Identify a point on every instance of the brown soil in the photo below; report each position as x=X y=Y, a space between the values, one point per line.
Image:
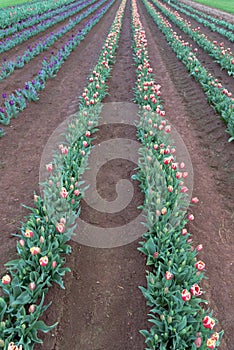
x=102 y=307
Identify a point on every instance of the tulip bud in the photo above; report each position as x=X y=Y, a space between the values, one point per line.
x=54 y=264
x=31 y=308
x=21 y=242
x=32 y=285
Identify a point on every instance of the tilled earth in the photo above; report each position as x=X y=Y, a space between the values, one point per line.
x=102 y=307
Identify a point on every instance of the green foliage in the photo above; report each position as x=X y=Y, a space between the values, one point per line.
x=177 y=313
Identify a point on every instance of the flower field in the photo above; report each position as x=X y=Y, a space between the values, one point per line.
x=172 y=288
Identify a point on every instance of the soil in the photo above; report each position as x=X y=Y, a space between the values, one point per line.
x=102 y=307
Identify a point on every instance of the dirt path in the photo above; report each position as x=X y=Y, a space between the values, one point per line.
x=102 y=307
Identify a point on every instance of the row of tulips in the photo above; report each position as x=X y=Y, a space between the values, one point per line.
x=173 y=289
x=10 y=15
x=19 y=38
x=217 y=95
x=223 y=56
x=8 y=67
x=32 y=20
x=208 y=21
x=43 y=240
x=17 y=101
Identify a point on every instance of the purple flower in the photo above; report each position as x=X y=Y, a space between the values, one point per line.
x=4 y=95
x=11 y=103
x=2 y=110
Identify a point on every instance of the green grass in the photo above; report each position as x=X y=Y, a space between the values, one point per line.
x=5 y=3
x=224 y=5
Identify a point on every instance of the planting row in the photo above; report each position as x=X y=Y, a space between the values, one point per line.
x=32 y=51
x=29 y=22
x=9 y=16
x=24 y=35
x=45 y=235
x=18 y=100
x=173 y=290
x=214 y=26
x=217 y=95
x=223 y=56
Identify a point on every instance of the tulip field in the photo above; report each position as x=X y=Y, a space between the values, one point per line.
x=64 y=61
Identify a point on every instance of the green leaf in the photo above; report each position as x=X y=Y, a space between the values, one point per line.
x=41 y=326
x=182 y=324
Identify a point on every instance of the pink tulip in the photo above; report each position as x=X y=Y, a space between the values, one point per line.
x=186 y=295
x=49 y=167
x=54 y=264
x=21 y=242
x=43 y=261
x=31 y=308
x=168 y=275
x=32 y=285
x=195 y=200
x=63 y=193
x=200 y=265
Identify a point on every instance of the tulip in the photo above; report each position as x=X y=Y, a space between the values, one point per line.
x=60 y=227
x=63 y=221
x=184 y=189
x=164 y=211
x=31 y=308
x=49 y=167
x=28 y=233
x=76 y=192
x=6 y=279
x=186 y=295
x=54 y=264
x=198 y=342
x=182 y=165
x=35 y=250
x=43 y=260
x=168 y=275
x=184 y=231
x=199 y=247
x=21 y=242
x=190 y=217
x=211 y=343
x=208 y=322
x=170 y=188
x=200 y=265
x=63 y=193
x=195 y=200
x=196 y=290
x=32 y=285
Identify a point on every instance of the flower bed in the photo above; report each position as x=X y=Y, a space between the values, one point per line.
x=8 y=67
x=217 y=95
x=214 y=26
x=9 y=16
x=173 y=290
x=17 y=101
x=24 y=35
x=29 y=22
x=223 y=56
x=43 y=240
